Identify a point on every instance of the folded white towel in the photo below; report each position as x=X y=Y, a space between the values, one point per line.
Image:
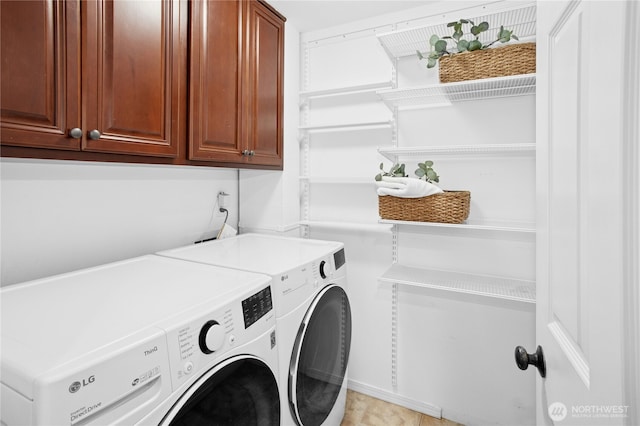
x=405 y=187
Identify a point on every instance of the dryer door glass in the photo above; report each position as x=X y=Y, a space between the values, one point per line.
x=239 y=391
x=320 y=356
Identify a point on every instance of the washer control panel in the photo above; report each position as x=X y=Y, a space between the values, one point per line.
x=256 y=306
x=198 y=342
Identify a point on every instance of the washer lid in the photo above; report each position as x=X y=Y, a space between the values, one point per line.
x=267 y=254
x=55 y=322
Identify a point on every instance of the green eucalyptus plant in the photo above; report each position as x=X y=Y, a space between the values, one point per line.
x=439 y=45
x=425 y=171
x=397 y=170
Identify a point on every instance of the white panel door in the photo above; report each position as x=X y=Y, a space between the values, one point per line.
x=580 y=198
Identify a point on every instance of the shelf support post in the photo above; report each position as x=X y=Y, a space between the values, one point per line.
x=394 y=246
x=394 y=311
x=304 y=117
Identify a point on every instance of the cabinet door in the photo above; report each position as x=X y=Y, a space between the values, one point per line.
x=265 y=97
x=40 y=92
x=132 y=76
x=215 y=103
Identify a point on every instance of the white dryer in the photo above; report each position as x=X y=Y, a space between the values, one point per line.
x=313 y=316
x=150 y=340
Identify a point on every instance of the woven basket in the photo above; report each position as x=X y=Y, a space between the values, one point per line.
x=513 y=59
x=447 y=207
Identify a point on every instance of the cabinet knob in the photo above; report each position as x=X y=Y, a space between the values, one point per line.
x=75 y=133
x=523 y=360
x=252 y=153
x=245 y=153
x=94 y=134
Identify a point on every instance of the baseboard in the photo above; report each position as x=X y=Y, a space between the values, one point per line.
x=422 y=407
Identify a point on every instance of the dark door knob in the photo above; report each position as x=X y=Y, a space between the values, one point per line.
x=523 y=359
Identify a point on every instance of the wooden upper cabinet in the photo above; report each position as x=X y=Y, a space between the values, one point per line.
x=126 y=98
x=215 y=97
x=40 y=54
x=265 y=94
x=236 y=83
x=131 y=80
x=155 y=81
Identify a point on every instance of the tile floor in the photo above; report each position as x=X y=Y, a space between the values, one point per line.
x=363 y=410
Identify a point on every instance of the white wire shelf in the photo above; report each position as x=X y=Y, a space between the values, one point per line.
x=338 y=180
x=514 y=227
x=393 y=153
x=401 y=43
x=482 y=285
x=344 y=91
x=443 y=94
x=347 y=226
x=386 y=124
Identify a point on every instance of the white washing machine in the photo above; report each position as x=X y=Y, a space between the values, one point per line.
x=313 y=316
x=147 y=341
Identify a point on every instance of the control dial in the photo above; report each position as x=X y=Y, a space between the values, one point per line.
x=323 y=273
x=211 y=337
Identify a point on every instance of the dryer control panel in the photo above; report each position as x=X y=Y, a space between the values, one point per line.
x=326 y=269
x=294 y=287
x=339 y=258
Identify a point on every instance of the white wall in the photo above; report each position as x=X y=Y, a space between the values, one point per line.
x=454 y=351
x=59 y=216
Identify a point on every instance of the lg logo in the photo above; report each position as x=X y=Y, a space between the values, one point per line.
x=76 y=386
x=557 y=411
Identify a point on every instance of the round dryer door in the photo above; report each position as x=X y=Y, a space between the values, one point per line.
x=239 y=391
x=320 y=356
